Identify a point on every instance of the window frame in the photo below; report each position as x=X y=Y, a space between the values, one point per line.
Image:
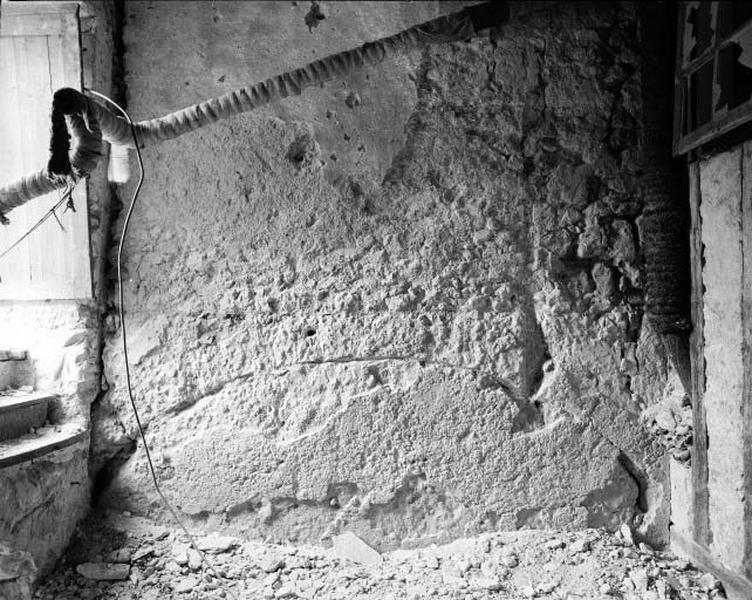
x=722 y=120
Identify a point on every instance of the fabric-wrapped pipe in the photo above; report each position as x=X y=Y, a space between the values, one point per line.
x=665 y=219
x=65 y=163
x=116 y=130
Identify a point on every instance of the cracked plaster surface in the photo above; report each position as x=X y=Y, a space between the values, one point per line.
x=432 y=326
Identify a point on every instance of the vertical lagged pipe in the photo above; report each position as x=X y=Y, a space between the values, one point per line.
x=665 y=217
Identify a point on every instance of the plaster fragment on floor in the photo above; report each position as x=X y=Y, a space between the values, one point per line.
x=216 y=543
x=269 y=563
x=350 y=546
x=194 y=559
x=104 y=571
x=186 y=585
x=180 y=553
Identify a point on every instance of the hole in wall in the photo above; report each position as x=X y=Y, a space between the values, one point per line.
x=107 y=473
x=303 y=151
x=528 y=418
x=314 y=15
x=340 y=493
x=639 y=478
x=544 y=366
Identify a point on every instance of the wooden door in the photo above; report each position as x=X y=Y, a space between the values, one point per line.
x=39 y=53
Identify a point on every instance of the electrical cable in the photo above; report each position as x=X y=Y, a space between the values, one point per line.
x=65 y=197
x=121 y=313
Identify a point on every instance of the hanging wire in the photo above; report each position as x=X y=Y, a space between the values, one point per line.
x=121 y=313
x=66 y=197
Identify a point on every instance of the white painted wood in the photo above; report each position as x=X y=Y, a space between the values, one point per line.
x=39 y=53
x=721 y=212
x=746 y=204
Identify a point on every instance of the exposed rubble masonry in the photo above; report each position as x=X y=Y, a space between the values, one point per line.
x=408 y=304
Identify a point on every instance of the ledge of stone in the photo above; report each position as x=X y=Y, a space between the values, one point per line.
x=6 y=355
x=11 y=402
x=46 y=440
x=21 y=413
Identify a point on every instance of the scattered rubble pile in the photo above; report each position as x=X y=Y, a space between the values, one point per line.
x=670 y=421
x=126 y=557
x=17 y=572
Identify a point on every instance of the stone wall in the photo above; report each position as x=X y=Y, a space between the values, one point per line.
x=408 y=303
x=43 y=499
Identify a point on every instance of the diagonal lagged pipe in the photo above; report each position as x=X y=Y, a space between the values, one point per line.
x=80 y=117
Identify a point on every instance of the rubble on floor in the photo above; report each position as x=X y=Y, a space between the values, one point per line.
x=124 y=557
x=17 y=572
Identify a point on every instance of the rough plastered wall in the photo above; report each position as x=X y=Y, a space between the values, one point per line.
x=42 y=500
x=407 y=304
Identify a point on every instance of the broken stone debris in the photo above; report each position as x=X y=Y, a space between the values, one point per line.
x=15 y=564
x=104 y=571
x=269 y=563
x=532 y=564
x=639 y=578
x=581 y=545
x=186 y=585
x=121 y=555
x=180 y=553
x=626 y=533
x=510 y=561
x=17 y=573
x=142 y=553
x=216 y=543
x=350 y=546
x=194 y=559
x=671 y=422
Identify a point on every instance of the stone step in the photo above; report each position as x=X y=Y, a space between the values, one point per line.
x=13 y=355
x=20 y=413
x=47 y=439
